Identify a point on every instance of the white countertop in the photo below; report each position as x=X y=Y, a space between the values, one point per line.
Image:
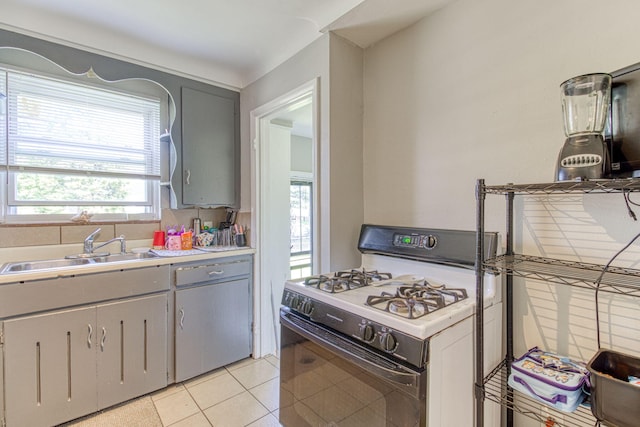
x=107 y=266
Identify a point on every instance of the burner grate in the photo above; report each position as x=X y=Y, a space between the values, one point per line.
x=346 y=280
x=416 y=301
x=334 y=284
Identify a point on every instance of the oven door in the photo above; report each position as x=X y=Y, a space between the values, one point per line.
x=329 y=380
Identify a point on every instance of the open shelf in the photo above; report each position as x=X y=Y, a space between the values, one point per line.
x=618 y=280
x=564 y=187
x=615 y=280
x=495 y=388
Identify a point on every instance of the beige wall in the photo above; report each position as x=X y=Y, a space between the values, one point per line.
x=473 y=92
x=337 y=65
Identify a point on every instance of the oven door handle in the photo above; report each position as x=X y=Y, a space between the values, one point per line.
x=407 y=380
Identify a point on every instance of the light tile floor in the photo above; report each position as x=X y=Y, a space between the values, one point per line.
x=244 y=394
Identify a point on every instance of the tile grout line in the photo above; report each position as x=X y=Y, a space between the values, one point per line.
x=245 y=389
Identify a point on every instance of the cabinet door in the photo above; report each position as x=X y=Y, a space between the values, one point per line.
x=50 y=367
x=132 y=348
x=208 y=149
x=213 y=327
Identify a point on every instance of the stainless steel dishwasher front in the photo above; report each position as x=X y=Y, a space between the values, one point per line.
x=213 y=315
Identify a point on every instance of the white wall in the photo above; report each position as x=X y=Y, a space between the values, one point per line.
x=301 y=154
x=473 y=92
x=33 y=21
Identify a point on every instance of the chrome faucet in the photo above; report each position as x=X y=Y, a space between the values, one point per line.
x=88 y=243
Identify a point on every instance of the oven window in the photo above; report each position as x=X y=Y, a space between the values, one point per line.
x=320 y=388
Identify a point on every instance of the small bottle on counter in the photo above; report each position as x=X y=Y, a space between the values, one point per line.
x=197 y=228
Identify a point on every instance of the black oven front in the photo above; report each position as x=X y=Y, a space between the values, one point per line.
x=330 y=380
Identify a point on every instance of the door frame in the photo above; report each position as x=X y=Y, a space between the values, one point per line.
x=266 y=305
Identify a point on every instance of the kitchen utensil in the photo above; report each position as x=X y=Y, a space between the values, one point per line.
x=585 y=105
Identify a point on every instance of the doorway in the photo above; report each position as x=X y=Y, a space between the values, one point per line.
x=284 y=204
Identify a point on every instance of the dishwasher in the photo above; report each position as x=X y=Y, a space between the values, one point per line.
x=213 y=314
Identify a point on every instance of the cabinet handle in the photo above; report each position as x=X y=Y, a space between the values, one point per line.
x=216 y=272
x=90 y=334
x=182 y=318
x=188 y=176
x=104 y=337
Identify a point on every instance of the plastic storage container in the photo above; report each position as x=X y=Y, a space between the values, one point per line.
x=549 y=378
x=614 y=400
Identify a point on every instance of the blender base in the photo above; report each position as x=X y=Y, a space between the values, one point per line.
x=582 y=158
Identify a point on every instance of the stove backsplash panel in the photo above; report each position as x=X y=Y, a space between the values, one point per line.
x=441 y=246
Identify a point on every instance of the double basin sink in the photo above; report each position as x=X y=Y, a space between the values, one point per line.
x=73 y=261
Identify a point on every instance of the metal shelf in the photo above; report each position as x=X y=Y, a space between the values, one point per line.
x=617 y=280
x=495 y=388
x=625 y=281
x=564 y=187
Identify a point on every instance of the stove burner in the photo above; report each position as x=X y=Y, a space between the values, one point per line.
x=413 y=302
x=408 y=307
x=369 y=276
x=427 y=290
x=345 y=280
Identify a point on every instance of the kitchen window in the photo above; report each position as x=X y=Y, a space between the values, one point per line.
x=69 y=146
x=300 y=220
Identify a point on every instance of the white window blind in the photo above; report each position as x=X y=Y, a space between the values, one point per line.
x=56 y=126
x=70 y=146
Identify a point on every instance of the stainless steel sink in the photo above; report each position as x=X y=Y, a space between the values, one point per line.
x=14 y=267
x=73 y=261
x=129 y=256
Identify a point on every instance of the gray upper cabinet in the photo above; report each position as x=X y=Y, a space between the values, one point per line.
x=209 y=148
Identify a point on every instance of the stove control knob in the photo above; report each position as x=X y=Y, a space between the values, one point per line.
x=367 y=332
x=430 y=241
x=306 y=307
x=388 y=342
x=294 y=302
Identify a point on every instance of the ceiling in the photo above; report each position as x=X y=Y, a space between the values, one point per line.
x=238 y=40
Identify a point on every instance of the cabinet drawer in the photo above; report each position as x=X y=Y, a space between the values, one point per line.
x=211 y=272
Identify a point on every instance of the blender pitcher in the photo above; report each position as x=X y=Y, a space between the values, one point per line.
x=585 y=105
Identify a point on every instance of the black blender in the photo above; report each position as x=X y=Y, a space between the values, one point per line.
x=585 y=105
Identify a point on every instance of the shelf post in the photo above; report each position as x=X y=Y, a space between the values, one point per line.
x=479 y=267
x=509 y=303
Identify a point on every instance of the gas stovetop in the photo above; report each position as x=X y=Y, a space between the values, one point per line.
x=413 y=297
x=403 y=302
x=412 y=284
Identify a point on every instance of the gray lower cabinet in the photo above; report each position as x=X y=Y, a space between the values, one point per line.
x=209 y=149
x=66 y=364
x=132 y=348
x=213 y=327
x=50 y=367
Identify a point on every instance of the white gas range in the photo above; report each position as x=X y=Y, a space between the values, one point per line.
x=408 y=310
